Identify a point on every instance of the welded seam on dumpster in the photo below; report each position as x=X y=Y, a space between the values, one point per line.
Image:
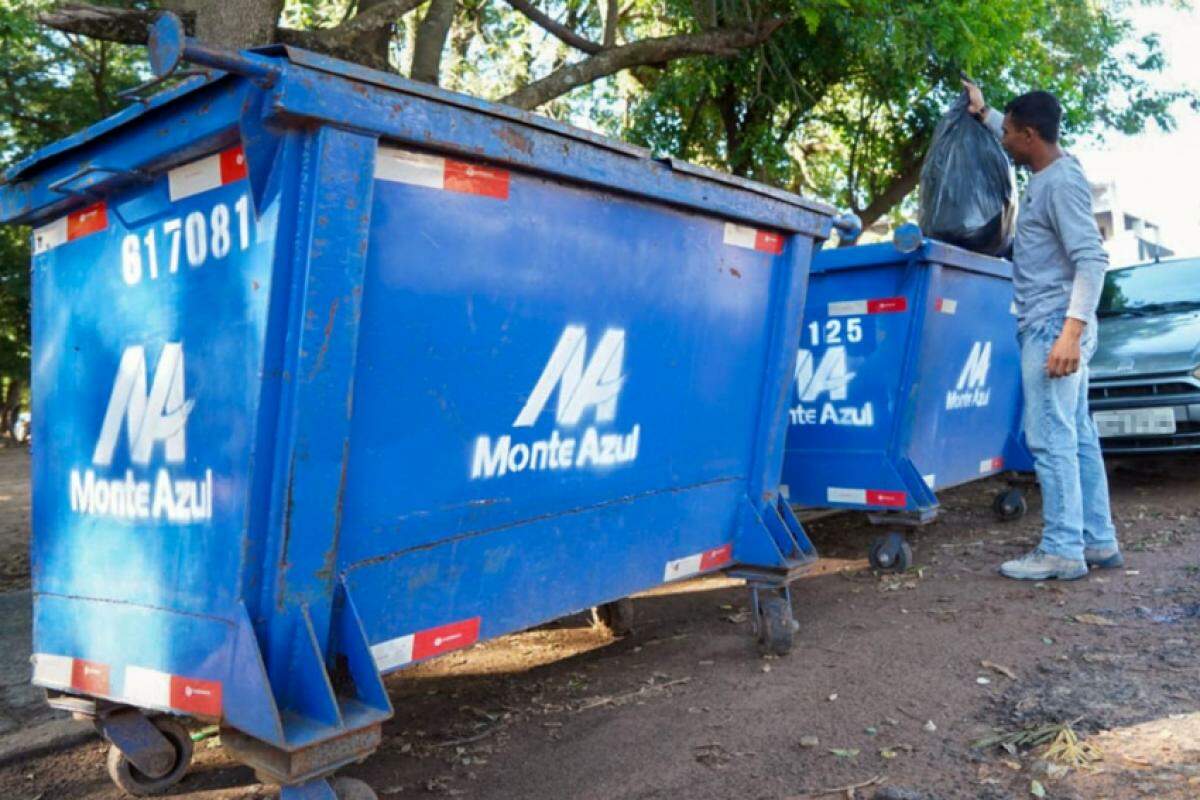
x=132 y=604
x=373 y=560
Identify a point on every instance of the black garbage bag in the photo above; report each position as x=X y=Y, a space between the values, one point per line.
x=968 y=188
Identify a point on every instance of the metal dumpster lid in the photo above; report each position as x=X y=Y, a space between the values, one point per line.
x=359 y=73
x=929 y=251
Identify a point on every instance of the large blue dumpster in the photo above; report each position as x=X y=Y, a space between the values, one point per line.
x=907 y=382
x=335 y=372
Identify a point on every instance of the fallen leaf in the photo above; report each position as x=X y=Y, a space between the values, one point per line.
x=844 y=753
x=1093 y=619
x=1036 y=789
x=994 y=667
x=809 y=741
x=888 y=754
x=1015 y=766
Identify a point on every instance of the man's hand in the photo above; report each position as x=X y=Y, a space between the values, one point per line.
x=975 y=101
x=1064 y=355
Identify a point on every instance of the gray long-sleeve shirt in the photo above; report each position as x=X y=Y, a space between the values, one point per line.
x=1058 y=256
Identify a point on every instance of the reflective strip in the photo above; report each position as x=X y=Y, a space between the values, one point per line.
x=50 y=236
x=89 y=677
x=435 y=172
x=930 y=480
x=697 y=563
x=946 y=305
x=147 y=688
x=210 y=172
x=55 y=671
x=1012 y=308
x=75 y=225
x=753 y=238
x=150 y=688
x=991 y=464
x=425 y=644
x=881 y=305
x=76 y=674
x=865 y=497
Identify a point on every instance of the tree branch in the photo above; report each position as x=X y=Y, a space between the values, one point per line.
x=899 y=186
x=611 y=16
x=346 y=41
x=557 y=29
x=431 y=41
x=107 y=23
x=719 y=42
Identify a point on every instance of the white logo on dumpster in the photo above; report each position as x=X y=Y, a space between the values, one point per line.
x=971 y=391
x=150 y=412
x=829 y=376
x=584 y=384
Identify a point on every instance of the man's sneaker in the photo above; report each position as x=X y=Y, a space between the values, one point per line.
x=1103 y=557
x=1041 y=566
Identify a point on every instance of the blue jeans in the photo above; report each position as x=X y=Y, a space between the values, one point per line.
x=1065 y=446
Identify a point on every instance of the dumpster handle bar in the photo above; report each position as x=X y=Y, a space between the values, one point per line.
x=62 y=185
x=169 y=46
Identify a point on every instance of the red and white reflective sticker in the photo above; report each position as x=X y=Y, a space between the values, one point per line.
x=73 y=226
x=991 y=465
x=698 y=562
x=435 y=172
x=426 y=644
x=210 y=172
x=73 y=674
x=946 y=306
x=879 y=305
x=753 y=238
x=150 y=688
x=866 y=497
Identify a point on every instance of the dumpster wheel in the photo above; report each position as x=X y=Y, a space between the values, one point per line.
x=1010 y=505
x=616 y=616
x=132 y=781
x=352 y=789
x=776 y=625
x=890 y=553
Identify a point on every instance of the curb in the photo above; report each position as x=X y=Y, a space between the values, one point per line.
x=43 y=739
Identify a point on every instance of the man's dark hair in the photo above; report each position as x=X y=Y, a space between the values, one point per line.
x=1038 y=110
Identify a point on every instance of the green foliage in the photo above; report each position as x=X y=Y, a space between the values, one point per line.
x=50 y=86
x=842 y=102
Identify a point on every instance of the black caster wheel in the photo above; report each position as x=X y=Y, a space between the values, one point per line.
x=132 y=781
x=776 y=625
x=352 y=789
x=890 y=553
x=1010 y=505
x=616 y=616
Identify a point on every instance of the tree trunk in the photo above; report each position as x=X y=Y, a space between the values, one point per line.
x=232 y=23
x=431 y=41
x=373 y=44
x=12 y=405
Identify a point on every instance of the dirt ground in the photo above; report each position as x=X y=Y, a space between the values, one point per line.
x=887 y=689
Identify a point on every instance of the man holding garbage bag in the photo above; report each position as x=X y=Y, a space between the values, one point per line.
x=1058 y=272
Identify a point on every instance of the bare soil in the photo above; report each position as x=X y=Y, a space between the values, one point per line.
x=885 y=690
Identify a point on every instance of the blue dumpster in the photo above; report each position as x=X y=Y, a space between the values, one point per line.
x=907 y=381
x=335 y=373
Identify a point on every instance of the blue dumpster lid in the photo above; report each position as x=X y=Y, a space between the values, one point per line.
x=25 y=168
x=931 y=251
